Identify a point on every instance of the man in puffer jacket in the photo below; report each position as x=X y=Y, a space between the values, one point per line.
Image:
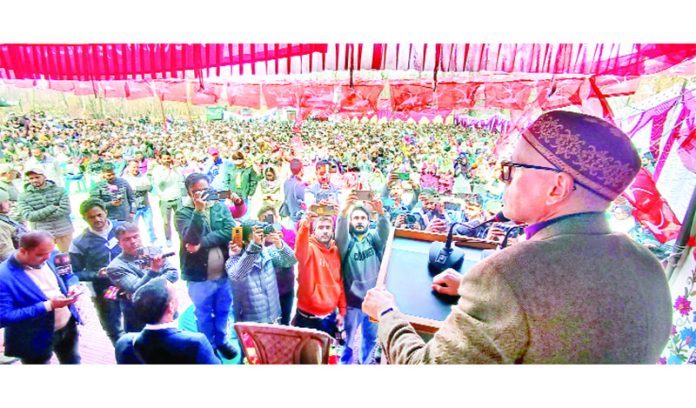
x=361 y=256
x=252 y=273
x=47 y=207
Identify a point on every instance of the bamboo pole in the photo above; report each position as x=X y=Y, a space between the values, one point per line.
x=188 y=102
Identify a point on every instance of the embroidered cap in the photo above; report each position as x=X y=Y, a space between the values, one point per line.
x=597 y=154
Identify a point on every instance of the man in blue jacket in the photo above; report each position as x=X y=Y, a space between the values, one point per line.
x=36 y=303
x=161 y=342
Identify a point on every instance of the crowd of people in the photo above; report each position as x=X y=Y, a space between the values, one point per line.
x=276 y=224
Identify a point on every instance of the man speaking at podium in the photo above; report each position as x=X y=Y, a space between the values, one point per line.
x=573 y=292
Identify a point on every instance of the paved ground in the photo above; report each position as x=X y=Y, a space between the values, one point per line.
x=95 y=347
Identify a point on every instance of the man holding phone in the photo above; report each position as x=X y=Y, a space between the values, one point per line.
x=252 y=270
x=205 y=228
x=361 y=252
x=36 y=303
x=320 y=285
x=285 y=277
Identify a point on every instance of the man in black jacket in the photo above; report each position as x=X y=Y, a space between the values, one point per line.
x=90 y=254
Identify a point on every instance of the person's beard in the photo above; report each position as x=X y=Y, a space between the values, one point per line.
x=356 y=231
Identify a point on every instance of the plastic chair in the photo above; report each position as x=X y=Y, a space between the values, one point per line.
x=276 y=344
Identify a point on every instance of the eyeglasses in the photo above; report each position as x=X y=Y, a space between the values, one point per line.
x=506 y=170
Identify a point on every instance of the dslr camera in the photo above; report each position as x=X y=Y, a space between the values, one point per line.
x=266 y=227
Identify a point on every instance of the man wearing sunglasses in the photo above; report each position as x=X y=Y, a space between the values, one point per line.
x=573 y=292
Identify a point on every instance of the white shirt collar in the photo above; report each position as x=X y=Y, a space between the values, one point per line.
x=106 y=232
x=162 y=326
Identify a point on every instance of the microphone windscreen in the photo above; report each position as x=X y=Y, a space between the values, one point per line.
x=500 y=217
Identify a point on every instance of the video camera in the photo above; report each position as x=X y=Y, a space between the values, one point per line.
x=147 y=254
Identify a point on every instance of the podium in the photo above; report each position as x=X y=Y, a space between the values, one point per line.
x=404 y=273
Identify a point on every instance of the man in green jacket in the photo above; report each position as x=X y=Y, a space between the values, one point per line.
x=205 y=230
x=47 y=207
x=573 y=292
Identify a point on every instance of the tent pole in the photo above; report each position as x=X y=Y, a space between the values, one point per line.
x=188 y=103
x=680 y=245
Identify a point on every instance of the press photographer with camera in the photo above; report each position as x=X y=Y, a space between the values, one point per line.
x=252 y=269
x=134 y=267
x=205 y=228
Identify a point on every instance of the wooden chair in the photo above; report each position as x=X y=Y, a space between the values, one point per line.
x=276 y=344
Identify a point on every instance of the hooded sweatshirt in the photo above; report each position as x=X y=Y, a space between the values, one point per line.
x=363 y=260
x=320 y=286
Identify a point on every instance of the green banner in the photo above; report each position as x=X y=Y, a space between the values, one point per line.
x=214 y=113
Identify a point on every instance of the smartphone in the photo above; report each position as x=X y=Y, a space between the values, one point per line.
x=364 y=195
x=323 y=210
x=237 y=236
x=212 y=195
x=78 y=292
x=269 y=219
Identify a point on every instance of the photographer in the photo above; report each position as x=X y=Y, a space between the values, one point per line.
x=205 y=228
x=284 y=276
x=252 y=270
x=133 y=268
x=116 y=193
x=361 y=252
x=396 y=199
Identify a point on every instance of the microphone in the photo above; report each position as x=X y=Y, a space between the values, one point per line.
x=62 y=263
x=443 y=256
x=500 y=217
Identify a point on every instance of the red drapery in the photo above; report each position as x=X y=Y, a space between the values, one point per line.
x=246 y=95
x=411 y=97
x=84 y=62
x=359 y=99
x=651 y=210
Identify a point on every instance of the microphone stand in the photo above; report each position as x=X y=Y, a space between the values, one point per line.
x=504 y=243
